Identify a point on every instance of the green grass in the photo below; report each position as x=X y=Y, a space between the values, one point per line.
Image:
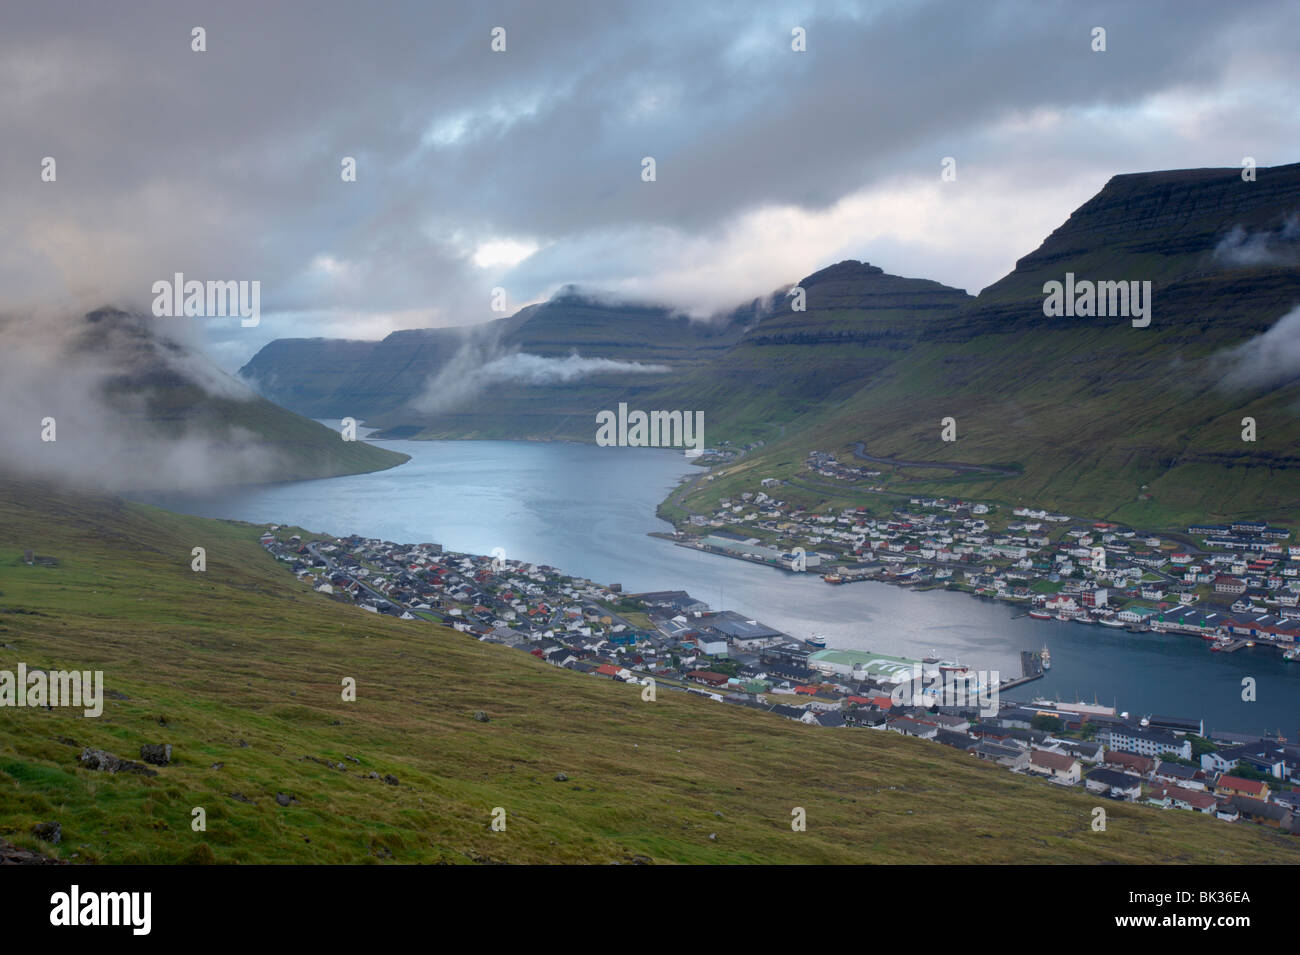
x=244 y=652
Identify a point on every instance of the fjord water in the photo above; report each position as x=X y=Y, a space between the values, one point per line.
x=586 y=510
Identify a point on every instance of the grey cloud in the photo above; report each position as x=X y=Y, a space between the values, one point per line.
x=478 y=366
x=1279 y=246
x=96 y=381
x=225 y=164
x=1267 y=360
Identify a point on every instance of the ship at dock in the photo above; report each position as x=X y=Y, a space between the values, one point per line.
x=1045 y=655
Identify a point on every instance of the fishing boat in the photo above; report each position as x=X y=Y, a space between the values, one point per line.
x=816 y=641
x=1040 y=615
x=833 y=578
x=1111 y=622
x=1292 y=655
x=1046 y=656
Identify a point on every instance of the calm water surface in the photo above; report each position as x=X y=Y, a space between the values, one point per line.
x=586 y=510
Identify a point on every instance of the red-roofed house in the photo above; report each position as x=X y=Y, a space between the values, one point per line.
x=1236 y=786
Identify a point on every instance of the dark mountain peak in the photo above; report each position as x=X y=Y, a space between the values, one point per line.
x=107 y=313
x=576 y=296
x=130 y=339
x=848 y=270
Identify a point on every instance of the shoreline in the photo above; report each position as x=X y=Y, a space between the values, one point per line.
x=1222 y=642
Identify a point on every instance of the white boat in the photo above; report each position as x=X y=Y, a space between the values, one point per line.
x=1111 y=622
x=1046 y=656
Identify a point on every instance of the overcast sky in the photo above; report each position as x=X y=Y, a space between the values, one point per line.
x=522 y=169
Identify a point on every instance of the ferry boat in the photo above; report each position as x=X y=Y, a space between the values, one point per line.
x=1040 y=615
x=816 y=641
x=1046 y=656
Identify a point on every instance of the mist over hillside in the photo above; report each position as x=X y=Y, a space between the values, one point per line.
x=112 y=400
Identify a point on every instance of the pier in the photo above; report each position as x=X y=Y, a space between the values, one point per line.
x=1232 y=647
x=1031 y=668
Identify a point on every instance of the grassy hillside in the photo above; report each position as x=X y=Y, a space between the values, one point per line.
x=240 y=669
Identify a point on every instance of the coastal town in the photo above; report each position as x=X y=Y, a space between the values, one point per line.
x=668 y=641
x=1236 y=585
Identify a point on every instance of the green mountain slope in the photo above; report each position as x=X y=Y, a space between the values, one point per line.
x=857 y=323
x=1096 y=416
x=240 y=669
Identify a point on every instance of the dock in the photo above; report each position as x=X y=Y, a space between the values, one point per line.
x=1031 y=668
x=1232 y=647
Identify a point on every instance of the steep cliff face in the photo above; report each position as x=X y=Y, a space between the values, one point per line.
x=305 y=373
x=327 y=378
